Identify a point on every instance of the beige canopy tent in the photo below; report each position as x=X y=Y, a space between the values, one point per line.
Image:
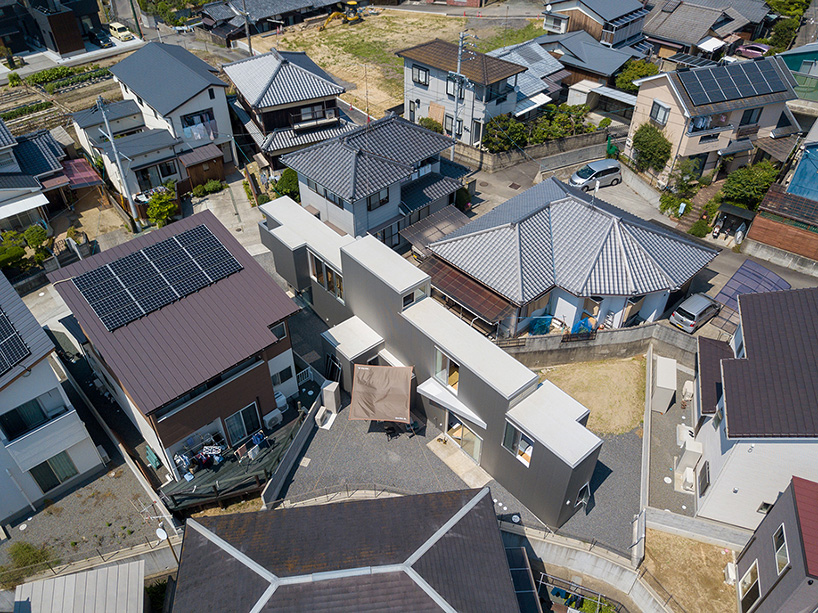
x=381 y=393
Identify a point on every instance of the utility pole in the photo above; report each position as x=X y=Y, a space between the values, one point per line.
x=247 y=27
x=460 y=83
x=136 y=20
x=134 y=212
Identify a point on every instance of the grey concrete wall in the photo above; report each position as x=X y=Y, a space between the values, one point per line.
x=577 y=156
x=640 y=186
x=291 y=265
x=331 y=310
x=779 y=256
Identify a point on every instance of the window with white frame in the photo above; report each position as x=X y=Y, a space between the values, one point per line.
x=54 y=471
x=555 y=23
x=447 y=371
x=782 y=555
x=279 y=330
x=448 y=124
x=764 y=508
x=518 y=443
x=459 y=127
x=377 y=200
x=282 y=376
x=584 y=495
x=242 y=424
x=420 y=75
x=749 y=591
x=659 y=112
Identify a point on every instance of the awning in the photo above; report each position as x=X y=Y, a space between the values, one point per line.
x=736 y=211
x=381 y=393
x=54 y=182
x=529 y=104
x=200 y=155
x=779 y=148
x=732 y=38
x=80 y=174
x=710 y=43
x=737 y=146
x=433 y=390
x=615 y=94
x=261 y=160
x=664 y=43
x=22 y=205
x=433 y=228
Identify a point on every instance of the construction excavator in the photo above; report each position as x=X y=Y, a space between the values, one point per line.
x=346 y=11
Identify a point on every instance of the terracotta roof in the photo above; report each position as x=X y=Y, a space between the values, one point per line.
x=797 y=208
x=806 y=506
x=711 y=353
x=477 y=67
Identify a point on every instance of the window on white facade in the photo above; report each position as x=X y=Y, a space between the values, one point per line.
x=326 y=277
x=555 y=23
x=451 y=86
x=518 y=443
x=242 y=424
x=704 y=478
x=54 y=471
x=447 y=371
x=420 y=75
x=22 y=419
x=283 y=376
x=459 y=130
x=659 y=112
x=211 y=93
x=448 y=123
x=749 y=591
x=782 y=555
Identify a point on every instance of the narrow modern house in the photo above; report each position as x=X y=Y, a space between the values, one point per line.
x=429 y=88
x=45 y=449
x=531 y=437
x=555 y=257
x=716 y=112
x=285 y=102
x=778 y=569
x=187 y=332
x=377 y=179
x=756 y=419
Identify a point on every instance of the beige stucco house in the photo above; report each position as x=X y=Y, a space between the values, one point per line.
x=734 y=113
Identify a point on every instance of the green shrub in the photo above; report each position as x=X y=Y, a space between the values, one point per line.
x=559 y=122
x=652 y=148
x=249 y=192
x=213 y=186
x=701 y=228
x=263 y=199
x=503 y=133
x=35 y=235
x=156 y=594
x=199 y=191
x=712 y=206
x=606 y=121
x=707 y=179
x=634 y=70
x=161 y=207
x=783 y=33
x=26 y=560
x=14 y=80
x=748 y=185
x=287 y=184
x=431 y=124
x=669 y=202
x=26 y=109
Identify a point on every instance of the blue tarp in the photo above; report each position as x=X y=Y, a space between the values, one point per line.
x=805 y=180
x=583 y=325
x=540 y=325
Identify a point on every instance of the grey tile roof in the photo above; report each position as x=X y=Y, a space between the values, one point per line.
x=538 y=62
x=708 y=357
x=284 y=139
x=116 y=110
x=688 y=23
x=368 y=158
x=142 y=142
x=583 y=51
x=182 y=75
x=463 y=561
x=258 y=9
x=6 y=138
x=218 y=11
x=271 y=79
x=38 y=153
x=754 y=11
x=426 y=189
x=772 y=391
x=17 y=180
x=607 y=9
x=553 y=235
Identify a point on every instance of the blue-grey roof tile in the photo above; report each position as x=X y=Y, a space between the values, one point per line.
x=6 y=138
x=583 y=51
x=90 y=117
x=427 y=189
x=142 y=142
x=38 y=153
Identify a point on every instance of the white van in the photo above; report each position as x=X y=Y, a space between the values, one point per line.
x=119 y=31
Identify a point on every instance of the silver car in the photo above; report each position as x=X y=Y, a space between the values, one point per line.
x=607 y=172
x=694 y=312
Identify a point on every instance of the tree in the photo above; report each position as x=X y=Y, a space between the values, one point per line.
x=161 y=207
x=783 y=33
x=287 y=185
x=503 y=133
x=652 y=148
x=748 y=185
x=684 y=176
x=431 y=124
x=12 y=251
x=634 y=70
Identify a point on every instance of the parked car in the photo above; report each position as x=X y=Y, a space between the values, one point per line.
x=119 y=31
x=752 y=50
x=694 y=312
x=607 y=172
x=100 y=39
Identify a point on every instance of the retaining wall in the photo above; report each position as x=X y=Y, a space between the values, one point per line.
x=571 y=158
x=778 y=256
x=640 y=186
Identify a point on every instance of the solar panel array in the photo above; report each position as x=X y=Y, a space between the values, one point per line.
x=146 y=280
x=731 y=82
x=12 y=347
x=750 y=278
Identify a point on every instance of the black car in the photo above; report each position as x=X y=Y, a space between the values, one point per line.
x=100 y=39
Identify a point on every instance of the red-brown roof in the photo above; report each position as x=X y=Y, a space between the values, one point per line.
x=798 y=208
x=806 y=506
x=711 y=353
x=168 y=352
x=477 y=67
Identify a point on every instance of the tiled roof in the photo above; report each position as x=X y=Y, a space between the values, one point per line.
x=6 y=139
x=477 y=67
x=537 y=61
x=200 y=154
x=583 y=51
x=791 y=206
x=17 y=180
x=218 y=11
x=806 y=506
x=686 y=24
x=116 y=110
x=711 y=353
x=220 y=325
x=38 y=153
x=142 y=142
x=605 y=8
x=426 y=189
x=553 y=234
x=183 y=75
x=427 y=552
x=369 y=158
x=772 y=391
x=284 y=139
x=272 y=79
x=754 y=11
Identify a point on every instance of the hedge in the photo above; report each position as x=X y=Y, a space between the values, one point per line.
x=28 y=109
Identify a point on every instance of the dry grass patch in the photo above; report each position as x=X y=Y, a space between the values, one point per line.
x=243 y=506
x=613 y=390
x=691 y=571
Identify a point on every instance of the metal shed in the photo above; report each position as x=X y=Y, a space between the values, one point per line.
x=664 y=384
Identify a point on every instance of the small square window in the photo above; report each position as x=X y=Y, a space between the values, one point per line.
x=764 y=508
x=408 y=299
x=659 y=112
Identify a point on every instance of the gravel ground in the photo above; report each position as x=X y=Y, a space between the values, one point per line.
x=614 y=494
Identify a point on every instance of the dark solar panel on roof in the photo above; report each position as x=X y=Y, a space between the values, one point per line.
x=12 y=347
x=151 y=278
x=723 y=83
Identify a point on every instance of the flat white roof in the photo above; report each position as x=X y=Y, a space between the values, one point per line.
x=665 y=372
x=304 y=228
x=469 y=348
x=550 y=416
x=352 y=337
x=398 y=273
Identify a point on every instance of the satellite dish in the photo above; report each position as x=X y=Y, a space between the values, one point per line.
x=547 y=8
x=161 y=534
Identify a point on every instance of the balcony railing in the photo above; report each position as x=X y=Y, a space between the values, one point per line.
x=55 y=435
x=314 y=119
x=705 y=131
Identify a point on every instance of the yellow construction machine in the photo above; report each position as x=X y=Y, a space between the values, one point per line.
x=346 y=11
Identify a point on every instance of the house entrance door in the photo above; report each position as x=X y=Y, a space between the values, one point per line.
x=467 y=440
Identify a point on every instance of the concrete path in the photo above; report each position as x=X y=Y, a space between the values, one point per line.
x=460 y=463
x=698 y=529
x=808 y=31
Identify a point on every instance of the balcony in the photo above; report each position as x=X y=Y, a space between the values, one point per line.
x=47 y=440
x=693 y=132
x=314 y=119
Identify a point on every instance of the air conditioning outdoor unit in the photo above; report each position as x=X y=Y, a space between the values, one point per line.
x=730 y=573
x=272 y=419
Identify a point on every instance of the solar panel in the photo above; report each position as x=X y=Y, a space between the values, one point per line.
x=151 y=278
x=733 y=82
x=750 y=278
x=12 y=347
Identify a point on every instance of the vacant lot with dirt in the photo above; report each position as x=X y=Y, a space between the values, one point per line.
x=363 y=55
x=613 y=390
x=691 y=571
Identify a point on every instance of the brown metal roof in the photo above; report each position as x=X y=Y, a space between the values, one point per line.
x=168 y=352
x=772 y=392
x=711 y=353
x=477 y=67
x=806 y=506
x=781 y=202
x=200 y=154
x=779 y=148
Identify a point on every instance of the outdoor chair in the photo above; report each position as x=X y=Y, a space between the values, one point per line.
x=391 y=432
x=241 y=452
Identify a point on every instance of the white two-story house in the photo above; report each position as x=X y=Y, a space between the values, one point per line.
x=44 y=446
x=429 y=88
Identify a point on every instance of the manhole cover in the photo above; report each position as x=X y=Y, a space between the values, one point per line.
x=484 y=183
x=515 y=186
x=668 y=480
